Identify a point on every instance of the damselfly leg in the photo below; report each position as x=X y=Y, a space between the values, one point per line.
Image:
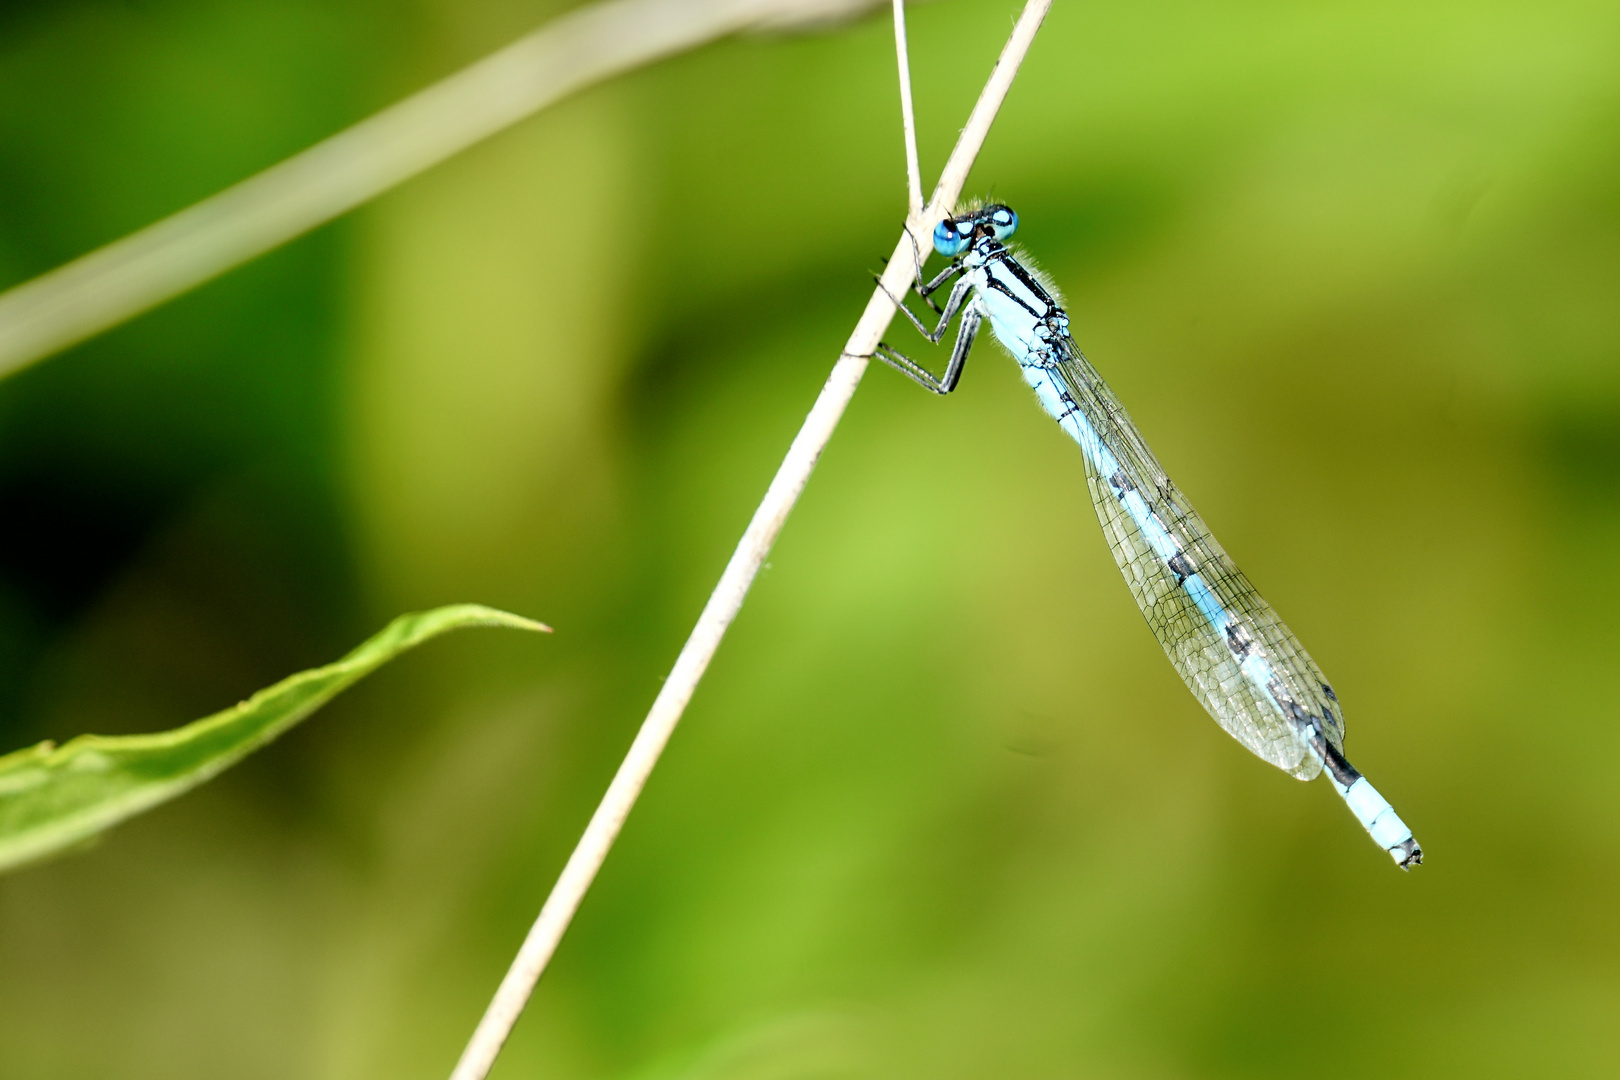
x=923 y=289
x=965 y=333
x=943 y=384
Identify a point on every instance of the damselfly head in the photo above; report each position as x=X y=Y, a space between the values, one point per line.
x=954 y=234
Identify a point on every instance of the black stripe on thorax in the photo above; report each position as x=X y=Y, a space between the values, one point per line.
x=992 y=251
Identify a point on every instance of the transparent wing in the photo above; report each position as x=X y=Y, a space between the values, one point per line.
x=1219 y=663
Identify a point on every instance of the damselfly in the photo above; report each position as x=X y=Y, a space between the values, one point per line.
x=1230 y=648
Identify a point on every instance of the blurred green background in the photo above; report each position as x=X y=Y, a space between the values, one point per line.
x=941 y=808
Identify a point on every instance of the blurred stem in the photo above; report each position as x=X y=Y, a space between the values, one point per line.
x=104 y=288
x=726 y=600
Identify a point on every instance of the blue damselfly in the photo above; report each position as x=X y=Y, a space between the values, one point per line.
x=1230 y=648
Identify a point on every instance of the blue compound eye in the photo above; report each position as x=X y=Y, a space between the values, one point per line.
x=1003 y=222
x=948 y=239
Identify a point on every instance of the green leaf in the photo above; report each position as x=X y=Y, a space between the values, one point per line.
x=53 y=798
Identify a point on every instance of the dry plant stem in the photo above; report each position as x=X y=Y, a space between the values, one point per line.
x=146 y=268
x=908 y=118
x=739 y=574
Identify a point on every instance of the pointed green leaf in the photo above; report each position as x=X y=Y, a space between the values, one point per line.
x=54 y=797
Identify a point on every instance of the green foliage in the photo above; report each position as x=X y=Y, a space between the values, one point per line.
x=55 y=797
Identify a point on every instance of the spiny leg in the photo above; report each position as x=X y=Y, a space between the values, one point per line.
x=925 y=291
x=920 y=287
x=953 y=304
x=965 y=333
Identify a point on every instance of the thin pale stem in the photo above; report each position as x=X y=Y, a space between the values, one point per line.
x=908 y=118
x=954 y=175
x=727 y=598
x=117 y=282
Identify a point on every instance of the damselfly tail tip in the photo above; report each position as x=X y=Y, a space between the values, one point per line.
x=1376 y=815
